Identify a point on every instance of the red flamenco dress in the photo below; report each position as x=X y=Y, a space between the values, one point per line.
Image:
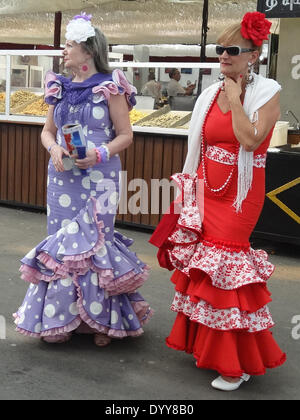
x=220 y=281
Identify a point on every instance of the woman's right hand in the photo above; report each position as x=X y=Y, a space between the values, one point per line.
x=57 y=152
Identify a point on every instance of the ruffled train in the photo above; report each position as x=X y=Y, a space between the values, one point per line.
x=228 y=352
x=221 y=296
x=79 y=281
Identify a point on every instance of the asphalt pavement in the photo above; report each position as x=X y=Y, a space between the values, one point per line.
x=142 y=368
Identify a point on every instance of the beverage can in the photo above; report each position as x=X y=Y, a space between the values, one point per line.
x=74 y=137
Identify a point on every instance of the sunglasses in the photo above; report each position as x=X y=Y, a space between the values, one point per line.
x=234 y=50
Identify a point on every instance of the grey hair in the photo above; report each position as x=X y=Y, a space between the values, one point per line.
x=172 y=73
x=96 y=46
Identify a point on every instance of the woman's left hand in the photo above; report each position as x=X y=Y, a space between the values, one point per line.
x=233 y=89
x=88 y=162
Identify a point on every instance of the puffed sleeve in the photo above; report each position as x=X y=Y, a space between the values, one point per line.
x=53 y=88
x=119 y=85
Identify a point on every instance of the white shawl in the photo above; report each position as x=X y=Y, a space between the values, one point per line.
x=258 y=94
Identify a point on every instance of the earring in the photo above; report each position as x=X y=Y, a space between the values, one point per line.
x=221 y=78
x=85 y=68
x=250 y=76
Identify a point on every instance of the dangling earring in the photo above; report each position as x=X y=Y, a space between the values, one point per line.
x=250 y=76
x=221 y=78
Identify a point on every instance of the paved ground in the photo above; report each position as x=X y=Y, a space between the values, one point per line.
x=132 y=369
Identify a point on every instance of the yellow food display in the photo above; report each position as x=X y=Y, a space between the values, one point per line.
x=164 y=121
x=20 y=97
x=135 y=115
x=17 y=99
x=2 y=102
x=38 y=107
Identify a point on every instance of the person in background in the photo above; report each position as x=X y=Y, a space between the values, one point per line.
x=152 y=88
x=174 y=88
x=83 y=276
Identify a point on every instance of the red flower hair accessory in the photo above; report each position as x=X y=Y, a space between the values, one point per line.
x=256 y=27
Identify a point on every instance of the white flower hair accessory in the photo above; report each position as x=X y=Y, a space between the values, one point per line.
x=79 y=29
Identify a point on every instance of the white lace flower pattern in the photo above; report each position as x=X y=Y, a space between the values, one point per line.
x=222 y=319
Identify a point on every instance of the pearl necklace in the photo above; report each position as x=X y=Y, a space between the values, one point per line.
x=223 y=189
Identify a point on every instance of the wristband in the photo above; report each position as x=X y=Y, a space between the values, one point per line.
x=105 y=155
x=102 y=153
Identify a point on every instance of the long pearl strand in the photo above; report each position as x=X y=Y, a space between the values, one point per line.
x=223 y=189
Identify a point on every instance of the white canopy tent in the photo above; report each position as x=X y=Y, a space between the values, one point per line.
x=122 y=21
x=29 y=6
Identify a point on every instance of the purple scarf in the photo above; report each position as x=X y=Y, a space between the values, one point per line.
x=62 y=92
x=74 y=93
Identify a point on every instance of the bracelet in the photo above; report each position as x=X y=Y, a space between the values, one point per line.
x=98 y=154
x=102 y=153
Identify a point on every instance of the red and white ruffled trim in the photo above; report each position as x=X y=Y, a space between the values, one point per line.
x=222 y=319
x=229 y=265
x=227 y=269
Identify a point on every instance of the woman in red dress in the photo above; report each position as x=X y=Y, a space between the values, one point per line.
x=220 y=281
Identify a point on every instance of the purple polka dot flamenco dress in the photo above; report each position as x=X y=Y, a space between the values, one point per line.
x=82 y=276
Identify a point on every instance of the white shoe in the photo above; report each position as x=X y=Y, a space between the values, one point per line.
x=223 y=385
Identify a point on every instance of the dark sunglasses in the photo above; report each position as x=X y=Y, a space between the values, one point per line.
x=234 y=50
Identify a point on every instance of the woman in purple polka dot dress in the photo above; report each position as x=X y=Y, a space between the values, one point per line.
x=83 y=276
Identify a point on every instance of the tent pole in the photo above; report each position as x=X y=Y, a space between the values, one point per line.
x=205 y=29
x=57 y=37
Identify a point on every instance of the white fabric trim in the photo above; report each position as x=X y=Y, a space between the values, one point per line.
x=257 y=95
x=225 y=157
x=231 y=319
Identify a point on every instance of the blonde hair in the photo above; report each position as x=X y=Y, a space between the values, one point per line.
x=233 y=34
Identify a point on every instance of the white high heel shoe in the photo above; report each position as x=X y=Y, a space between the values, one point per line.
x=223 y=385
